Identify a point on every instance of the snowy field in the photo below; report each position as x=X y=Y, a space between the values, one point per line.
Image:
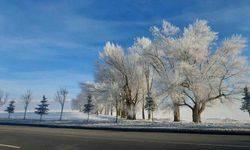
x=74 y=118
x=220 y=117
x=229 y=112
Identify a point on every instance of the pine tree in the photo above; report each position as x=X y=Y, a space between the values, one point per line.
x=10 y=109
x=246 y=101
x=42 y=108
x=89 y=106
x=150 y=105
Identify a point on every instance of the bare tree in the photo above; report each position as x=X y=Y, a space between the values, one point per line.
x=27 y=97
x=3 y=97
x=61 y=98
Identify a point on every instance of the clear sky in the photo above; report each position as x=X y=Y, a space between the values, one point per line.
x=49 y=44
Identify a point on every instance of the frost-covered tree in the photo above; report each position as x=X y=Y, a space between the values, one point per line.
x=246 y=101
x=3 y=97
x=81 y=99
x=140 y=47
x=96 y=93
x=26 y=97
x=194 y=69
x=75 y=104
x=10 y=109
x=108 y=89
x=162 y=58
x=78 y=102
x=60 y=97
x=179 y=67
x=42 y=108
x=126 y=67
x=88 y=107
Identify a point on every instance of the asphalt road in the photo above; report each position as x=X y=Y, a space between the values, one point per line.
x=36 y=138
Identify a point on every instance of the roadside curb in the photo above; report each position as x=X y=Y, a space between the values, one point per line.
x=141 y=129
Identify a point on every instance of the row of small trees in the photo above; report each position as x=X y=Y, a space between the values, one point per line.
x=42 y=109
x=175 y=68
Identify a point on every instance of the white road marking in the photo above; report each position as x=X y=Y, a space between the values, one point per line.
x=10 y=146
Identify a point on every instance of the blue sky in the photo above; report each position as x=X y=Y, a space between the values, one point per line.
x=49 y=44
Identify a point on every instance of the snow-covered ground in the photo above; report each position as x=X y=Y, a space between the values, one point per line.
x=74 y=118
x=219 y=117
x=229 y=111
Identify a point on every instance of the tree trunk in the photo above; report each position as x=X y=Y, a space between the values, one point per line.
x=106 y=111
x=41 y=117
x=116 y=115
x=61 y=112
x=196 y=114
x=134 y=116
x=152 y=116
x=9 y=116
x=25 y=110
x=143 y=109
x=134 y=111
x=176 y=113
x=118 y=111
x=149 y=115
x=101 y=111
x=123 y=113
x=88 y=117
x=131 y=113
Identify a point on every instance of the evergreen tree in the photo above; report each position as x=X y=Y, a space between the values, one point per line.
x=246 y=101
x=150 y=105
x=89 y=106
x=10 y=109
x=42 y=108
